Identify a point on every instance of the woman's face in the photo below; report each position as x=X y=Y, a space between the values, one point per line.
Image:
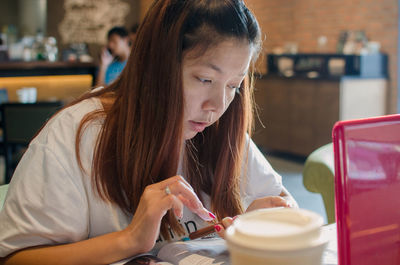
x=210 y=82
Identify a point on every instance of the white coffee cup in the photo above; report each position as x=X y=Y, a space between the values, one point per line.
x=277 y=236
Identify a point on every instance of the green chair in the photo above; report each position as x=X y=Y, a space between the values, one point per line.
x=3 y=192
x=319 y=175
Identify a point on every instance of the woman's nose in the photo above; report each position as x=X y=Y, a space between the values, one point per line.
x=215 y=100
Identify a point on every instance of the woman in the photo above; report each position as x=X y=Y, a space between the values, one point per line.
x=98 y=183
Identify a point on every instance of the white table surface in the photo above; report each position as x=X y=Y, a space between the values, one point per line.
x=330 y=256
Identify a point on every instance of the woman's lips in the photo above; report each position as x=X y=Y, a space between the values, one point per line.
x=198 y=126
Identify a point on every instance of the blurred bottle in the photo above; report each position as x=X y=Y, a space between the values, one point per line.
x=27 y=42
x=3 y=37
x=3 y=48
x=11 y=32
x=51 y=49
x=341 y=41
x=361 y=42
x=38 y=47
x=13 y=47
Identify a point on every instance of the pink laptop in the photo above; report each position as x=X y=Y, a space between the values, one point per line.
x=367 y=190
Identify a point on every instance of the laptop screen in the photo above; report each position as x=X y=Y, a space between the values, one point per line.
x=367 y=190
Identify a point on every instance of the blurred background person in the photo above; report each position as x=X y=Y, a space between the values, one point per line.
x=114 y=55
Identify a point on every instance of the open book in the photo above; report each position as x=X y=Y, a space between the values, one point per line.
x=194 y=252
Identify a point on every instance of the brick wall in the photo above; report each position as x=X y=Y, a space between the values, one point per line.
x=56 y=13
x=303 y=21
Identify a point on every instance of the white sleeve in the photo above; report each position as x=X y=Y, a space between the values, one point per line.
x=261 y=179
x=44 y=204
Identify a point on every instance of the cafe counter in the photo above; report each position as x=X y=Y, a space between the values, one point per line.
x=302 y=97
x=53 y=80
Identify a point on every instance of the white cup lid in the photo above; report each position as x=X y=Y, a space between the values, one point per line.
x=276 y=229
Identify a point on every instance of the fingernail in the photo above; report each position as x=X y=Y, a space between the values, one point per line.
x=234 y=217
x=204 y=214
x=212 y=215
x=217 y=228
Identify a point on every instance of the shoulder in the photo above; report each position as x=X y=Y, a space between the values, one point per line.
x=67 y=121
x=59 y=135
x=76 y=112
x=259 y=179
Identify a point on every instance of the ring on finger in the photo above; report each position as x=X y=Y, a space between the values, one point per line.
x=167 y=190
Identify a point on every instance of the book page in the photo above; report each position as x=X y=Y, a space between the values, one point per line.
x=142 y=259
x=196 y=252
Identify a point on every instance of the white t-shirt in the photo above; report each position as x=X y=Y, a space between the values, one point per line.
x=50 y=201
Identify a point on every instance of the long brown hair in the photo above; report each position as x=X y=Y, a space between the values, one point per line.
x=141 y=137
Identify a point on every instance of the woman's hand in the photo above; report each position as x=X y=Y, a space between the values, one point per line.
x=156 y=200
x=268 y=202
x=223 y=225
x=283 y=200
x=265 y=202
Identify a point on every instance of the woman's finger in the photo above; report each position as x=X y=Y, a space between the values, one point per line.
x=268 y=202
x=202 y=212
x=176 y=205
x=183 y=199
x=220 y=230
x=185 y=182
x=227 y=222
x=171 y=180
x=172 y=202
x=177 y=186
x=191 y=201
x=280 y=202
x=221 y=227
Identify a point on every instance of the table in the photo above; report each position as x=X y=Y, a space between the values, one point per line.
x=213 y=251
x=330 y=256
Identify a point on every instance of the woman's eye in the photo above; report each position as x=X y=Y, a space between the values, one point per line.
x=204 y=80
x=235 y=88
